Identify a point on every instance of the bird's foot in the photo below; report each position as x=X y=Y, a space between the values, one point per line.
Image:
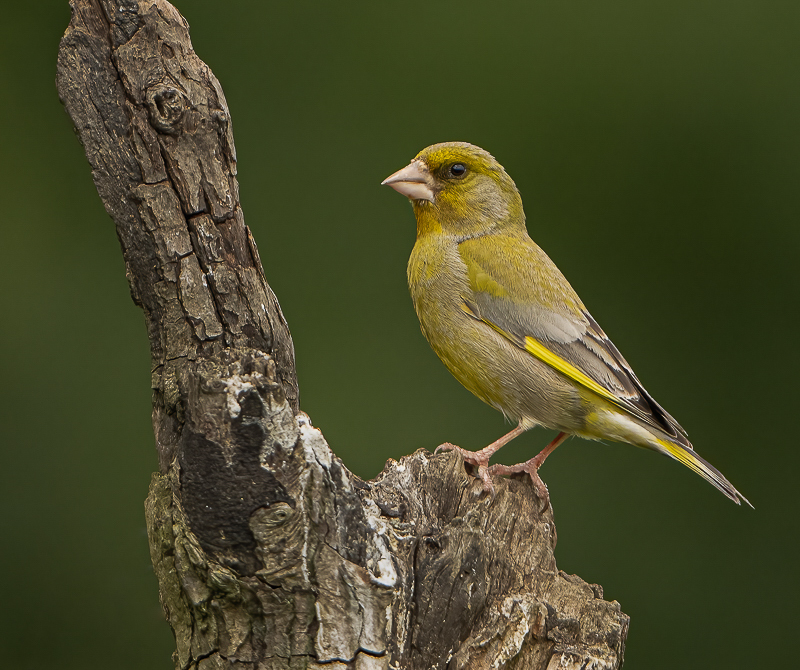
x=479 y=459
x=531 y=468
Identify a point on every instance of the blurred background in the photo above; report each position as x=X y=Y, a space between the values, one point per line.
x=657 y=149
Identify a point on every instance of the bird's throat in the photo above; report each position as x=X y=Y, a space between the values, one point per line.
x=427 y=220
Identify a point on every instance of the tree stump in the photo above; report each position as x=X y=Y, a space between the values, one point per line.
x=269 y=553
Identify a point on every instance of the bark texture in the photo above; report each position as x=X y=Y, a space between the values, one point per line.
x=269 y=553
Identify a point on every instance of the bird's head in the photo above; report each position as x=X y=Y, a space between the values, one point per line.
x=459 y=189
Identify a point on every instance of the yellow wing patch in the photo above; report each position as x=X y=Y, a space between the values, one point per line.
x=533 y=346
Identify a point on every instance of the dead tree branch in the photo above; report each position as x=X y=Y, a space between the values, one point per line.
x=269 y=553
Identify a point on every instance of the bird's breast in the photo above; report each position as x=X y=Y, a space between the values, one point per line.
x=438 y=282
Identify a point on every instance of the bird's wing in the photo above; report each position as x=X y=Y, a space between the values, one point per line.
x=518 y=291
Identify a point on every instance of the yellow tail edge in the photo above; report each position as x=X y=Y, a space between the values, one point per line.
x=703 y=468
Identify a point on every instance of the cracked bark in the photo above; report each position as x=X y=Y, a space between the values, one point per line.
x=269 y=553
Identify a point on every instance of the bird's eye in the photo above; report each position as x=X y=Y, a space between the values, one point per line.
x=458 y=170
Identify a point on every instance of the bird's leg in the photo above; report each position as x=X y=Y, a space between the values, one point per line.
x=480 y=459
x=532 y=467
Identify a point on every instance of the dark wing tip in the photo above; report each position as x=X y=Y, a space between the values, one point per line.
x=645 y=405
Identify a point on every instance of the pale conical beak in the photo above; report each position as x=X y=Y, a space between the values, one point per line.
x=414 y=181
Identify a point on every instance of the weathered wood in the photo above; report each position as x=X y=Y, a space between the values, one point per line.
x=269 y=553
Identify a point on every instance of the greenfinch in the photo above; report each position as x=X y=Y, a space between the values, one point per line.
x=510 y=328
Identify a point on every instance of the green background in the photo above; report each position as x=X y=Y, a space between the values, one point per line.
x=657 y=148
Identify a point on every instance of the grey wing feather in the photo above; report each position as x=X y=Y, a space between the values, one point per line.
x=579 y=340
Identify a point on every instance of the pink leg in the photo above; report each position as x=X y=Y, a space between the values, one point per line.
x=532 y=467
x=480 y=459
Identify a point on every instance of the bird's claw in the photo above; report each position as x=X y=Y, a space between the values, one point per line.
x=447 y=446
x=474 y=458
x=531 y=468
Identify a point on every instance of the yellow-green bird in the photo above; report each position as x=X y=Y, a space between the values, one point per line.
x=508 y=325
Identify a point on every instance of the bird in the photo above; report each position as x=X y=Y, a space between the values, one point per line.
x=511 y=329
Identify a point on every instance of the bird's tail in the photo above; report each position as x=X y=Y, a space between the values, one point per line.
x=701 y=467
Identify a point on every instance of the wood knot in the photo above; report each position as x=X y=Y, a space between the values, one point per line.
x=166 y=106
x=272 y=516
